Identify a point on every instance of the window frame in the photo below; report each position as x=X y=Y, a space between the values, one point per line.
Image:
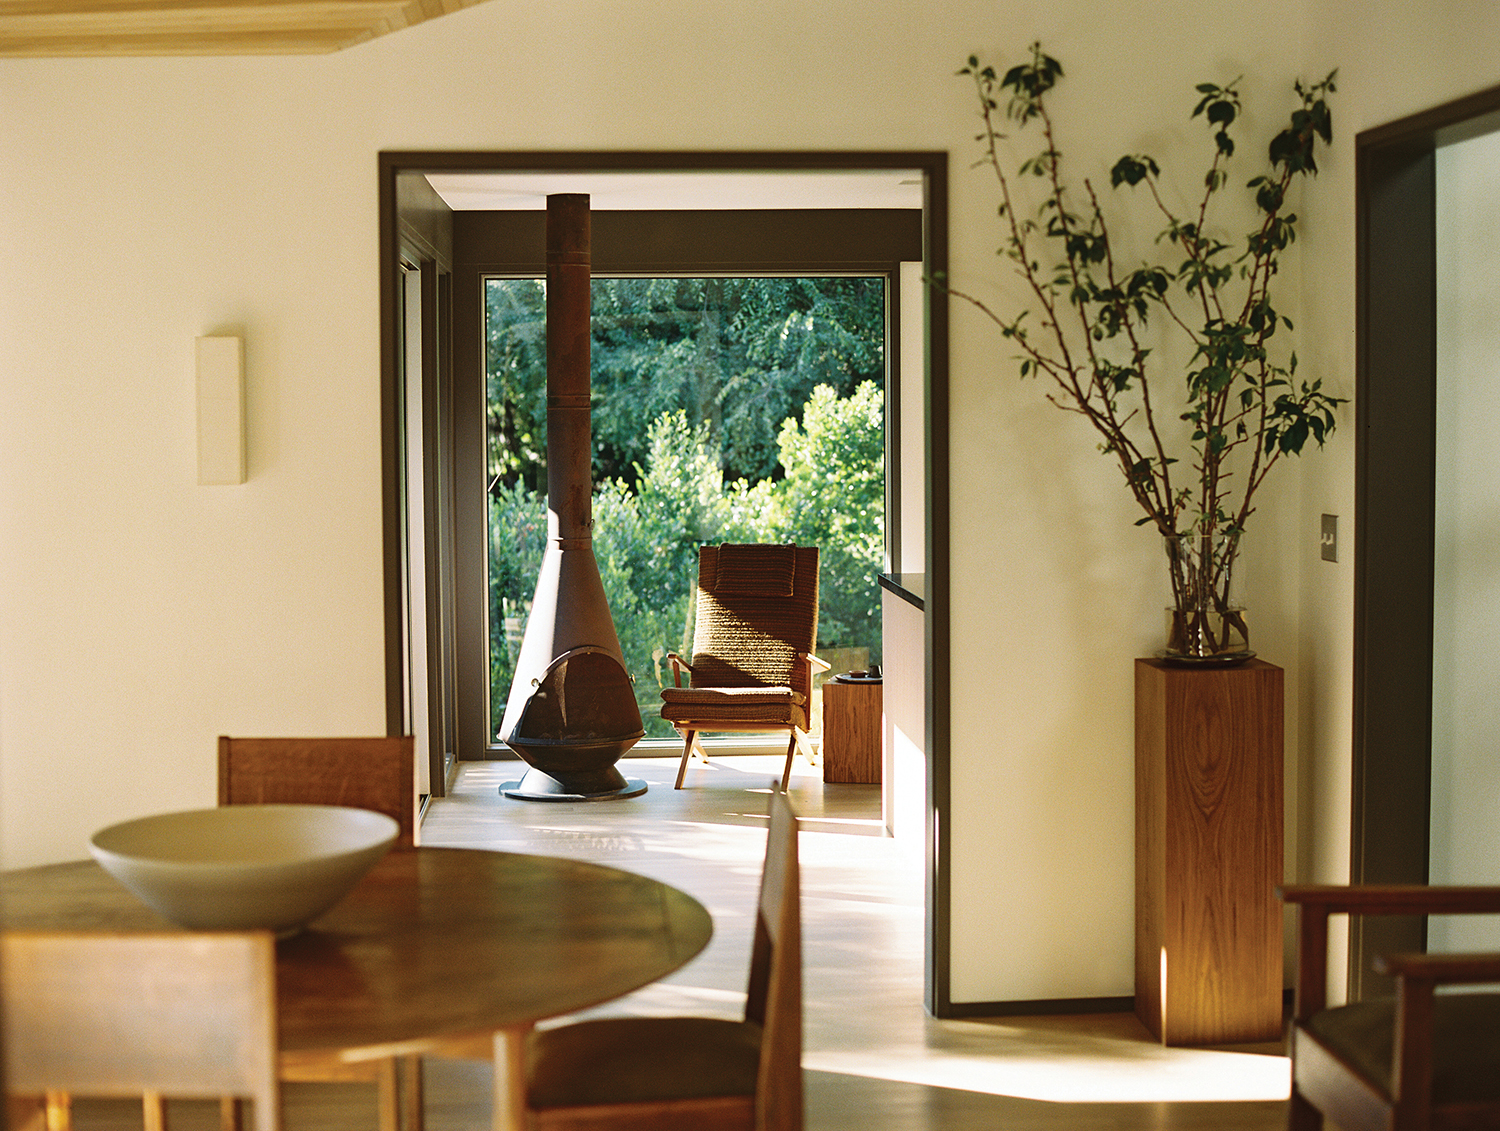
x=657 y=244
x=891 y=380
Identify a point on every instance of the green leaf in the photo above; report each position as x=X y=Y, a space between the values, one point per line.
x=1221 y=112
x=1131 y=170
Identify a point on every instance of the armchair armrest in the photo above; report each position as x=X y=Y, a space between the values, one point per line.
x=1393 y=899
x=818 y=664
x=1316 y=902
x=678 y=664
x=1438 y=968
x=1417 y=978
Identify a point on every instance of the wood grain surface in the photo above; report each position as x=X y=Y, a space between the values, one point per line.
x=1209 y=852
x=434 y=943
x=851 y=732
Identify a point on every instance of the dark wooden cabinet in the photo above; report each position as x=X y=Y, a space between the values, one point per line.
x=1208 y=828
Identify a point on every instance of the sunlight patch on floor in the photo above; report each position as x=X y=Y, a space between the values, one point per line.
x=1179 y=1075
x=863 y=912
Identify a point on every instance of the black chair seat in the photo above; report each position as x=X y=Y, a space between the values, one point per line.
x=641 y=1060
x=1465 y=1043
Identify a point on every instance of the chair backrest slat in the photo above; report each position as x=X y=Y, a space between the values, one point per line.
x=363 y=773
x=190 y=1014
x=774 y=997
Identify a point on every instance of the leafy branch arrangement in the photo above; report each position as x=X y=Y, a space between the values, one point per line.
x=1086 y=329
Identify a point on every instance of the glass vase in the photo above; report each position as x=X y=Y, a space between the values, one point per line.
x=1205 y=623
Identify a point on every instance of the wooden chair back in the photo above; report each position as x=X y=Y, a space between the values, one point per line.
x=757 y=615
x=1417 y=1061
x=363 y=773
x=774 y=998
x=172 y=1014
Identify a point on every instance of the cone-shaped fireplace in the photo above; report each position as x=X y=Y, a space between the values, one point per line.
x=572 y=711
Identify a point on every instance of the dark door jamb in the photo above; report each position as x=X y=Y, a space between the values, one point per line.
x=1395 y=483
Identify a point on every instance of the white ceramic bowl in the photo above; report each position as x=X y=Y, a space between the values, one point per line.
x=240 y=867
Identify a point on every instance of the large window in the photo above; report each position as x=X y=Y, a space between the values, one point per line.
x=725 y=409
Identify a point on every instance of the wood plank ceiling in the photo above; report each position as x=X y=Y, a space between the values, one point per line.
x=38 y=28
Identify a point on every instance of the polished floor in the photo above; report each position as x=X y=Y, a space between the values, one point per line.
x=874 y=1060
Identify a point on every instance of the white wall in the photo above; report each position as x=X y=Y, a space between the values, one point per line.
x=1057 y=589
x=1465 y=712
x=147 y=202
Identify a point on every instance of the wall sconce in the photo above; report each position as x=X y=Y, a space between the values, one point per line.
x=221 y=411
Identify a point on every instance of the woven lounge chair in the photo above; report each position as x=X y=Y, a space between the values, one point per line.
x=752 y=666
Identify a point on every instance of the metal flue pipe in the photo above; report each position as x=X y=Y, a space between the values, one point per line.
x=572 y=711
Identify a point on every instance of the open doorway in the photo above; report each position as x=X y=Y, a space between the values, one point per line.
x=786 y=194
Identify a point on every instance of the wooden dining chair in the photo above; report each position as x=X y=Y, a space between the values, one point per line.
x=1418 y=1061
x=364 y=773
x=753 y=640
x=189 y=1015
x=676 y=1073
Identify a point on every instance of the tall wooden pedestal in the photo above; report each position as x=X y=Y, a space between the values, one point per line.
x=1208 y=848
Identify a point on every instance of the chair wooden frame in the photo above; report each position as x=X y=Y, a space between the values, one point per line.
x=1326 y=1083
x=183 y=1014
x=797 y=632
x=773 y=1011
x=797 y=738
x=376 y=773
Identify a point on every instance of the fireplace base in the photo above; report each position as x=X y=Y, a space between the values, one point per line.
x=539 y=786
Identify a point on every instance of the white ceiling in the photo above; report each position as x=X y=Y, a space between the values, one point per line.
x=616 y=191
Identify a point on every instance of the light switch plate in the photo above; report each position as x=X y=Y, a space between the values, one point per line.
x=1330 y=541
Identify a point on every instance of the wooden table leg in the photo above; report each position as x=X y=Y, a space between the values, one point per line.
x=25 y=1113
x=510 y=1079
x=409 y=1071
x=59 y=1111
x=388 y=1095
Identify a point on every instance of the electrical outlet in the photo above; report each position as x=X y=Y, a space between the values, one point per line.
x=1330 y=542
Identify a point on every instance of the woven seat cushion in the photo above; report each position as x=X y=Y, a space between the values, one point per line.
x=640 y=1059
x=1465 y=1043
x=727 y=705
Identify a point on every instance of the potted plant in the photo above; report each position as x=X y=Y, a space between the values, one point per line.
x=1095 y=328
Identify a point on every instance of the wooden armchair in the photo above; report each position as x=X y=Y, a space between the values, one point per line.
x=363 y=773
x=1419 y=1060
x=753 y=662
x=686 y=1073
x=173 y=1014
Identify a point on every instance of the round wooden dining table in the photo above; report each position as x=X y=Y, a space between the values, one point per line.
x=436 y=951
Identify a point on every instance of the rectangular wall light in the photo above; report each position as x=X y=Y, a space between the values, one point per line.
x=221 y=411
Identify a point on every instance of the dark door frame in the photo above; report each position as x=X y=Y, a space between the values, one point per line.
x=933 y=166
x=1395 y=485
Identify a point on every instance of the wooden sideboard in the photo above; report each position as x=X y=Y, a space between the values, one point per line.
x=1208 y=839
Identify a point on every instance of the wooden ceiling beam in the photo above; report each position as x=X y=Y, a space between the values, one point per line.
x=57 y=28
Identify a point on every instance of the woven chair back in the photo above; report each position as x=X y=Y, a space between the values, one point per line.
x=757 y=611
